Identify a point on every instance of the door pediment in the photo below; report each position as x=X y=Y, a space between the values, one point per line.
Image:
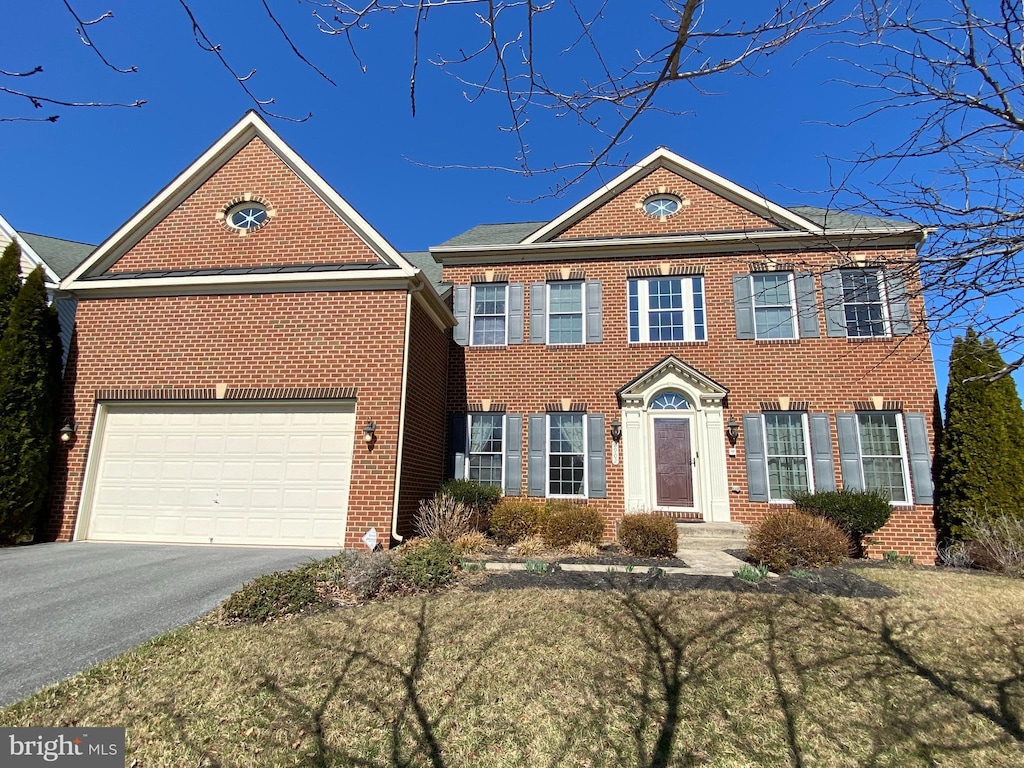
x=672 y=373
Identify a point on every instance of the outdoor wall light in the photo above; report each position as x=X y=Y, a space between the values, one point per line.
x=67 y=432
x=732 y=430
x=370 y=432
x=616 y=430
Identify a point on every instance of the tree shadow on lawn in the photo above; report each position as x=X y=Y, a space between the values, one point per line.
x=668 y=679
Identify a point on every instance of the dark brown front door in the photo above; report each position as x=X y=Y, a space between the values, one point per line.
x=673 y=465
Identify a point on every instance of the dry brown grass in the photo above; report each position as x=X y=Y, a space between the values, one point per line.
x=932 y=678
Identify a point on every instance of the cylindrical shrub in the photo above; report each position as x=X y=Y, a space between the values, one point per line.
x=569 y=523
x=649 y=535
x=513 y=519
x=792 y=539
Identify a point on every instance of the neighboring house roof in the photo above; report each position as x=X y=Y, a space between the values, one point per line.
x=423 y=261
x=495 y=234
x=61 y=256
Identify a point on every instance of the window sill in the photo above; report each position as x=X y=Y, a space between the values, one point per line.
x=777 y=342
x=487 y=346
x=567 y=346
x=868 y=339
x=703 y=343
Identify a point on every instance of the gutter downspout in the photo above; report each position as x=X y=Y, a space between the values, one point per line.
x=401 y=413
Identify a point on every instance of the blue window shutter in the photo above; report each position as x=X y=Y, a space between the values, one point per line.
x=515 y=313
x=835 y=311
x=806 y=305
x=513 y=454
x=920 y=457
x=899 y=307
x=538 y=313
x=849 y=451
x=460 y=308
x=597 y=485
x=457 y=446
x=743 y=303
x=537 y=463
x=757 y=462
x=594 y=312
x=821 y=452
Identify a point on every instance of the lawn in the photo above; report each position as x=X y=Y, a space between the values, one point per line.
x=559 y=677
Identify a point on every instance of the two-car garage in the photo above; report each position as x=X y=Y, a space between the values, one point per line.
x=221 y=473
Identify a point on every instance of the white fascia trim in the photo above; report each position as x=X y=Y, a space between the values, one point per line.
x=699 y=175
x=29 y=252
x=431 y=302
x=246 y=129
x=754 y=240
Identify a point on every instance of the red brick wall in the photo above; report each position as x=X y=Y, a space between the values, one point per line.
x=341 y=339
x=304 y=231
x=706 y=212
x=423 y=451
x=831 y=374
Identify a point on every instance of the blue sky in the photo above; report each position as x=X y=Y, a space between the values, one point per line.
x=83 y=176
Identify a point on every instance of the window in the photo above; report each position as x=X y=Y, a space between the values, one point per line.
x=486 y=448
x=489 y=315
x=565 y=313
x=787 y=450
x=661 y=206
x=666 y=309
x=774 y=305
x=883 y=454
x=864 y=303
x=669 y=401
x=566 y=454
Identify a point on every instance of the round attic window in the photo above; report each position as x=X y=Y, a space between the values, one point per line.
x=247 y=216
x=661 y=205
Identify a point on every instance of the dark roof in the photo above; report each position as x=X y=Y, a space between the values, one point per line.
x=494 y=234
x=830 y=219
x=424 y=261
x=269 y=270
x=62 y=256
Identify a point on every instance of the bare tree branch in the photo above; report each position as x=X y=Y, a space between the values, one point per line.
x=83 y=35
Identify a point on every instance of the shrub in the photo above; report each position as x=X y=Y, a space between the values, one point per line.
x=955 y=554
x=443 y=517
x=513 y=519
x=479 y=498
x=582 y=549
x=649 y=535
x=531 y=546
x=370 y=574
x=859 y=513
x=429 y=566
x=792 y=539
x=473 y=543
x=272 y=596
x=567 y=523
x=996 y=542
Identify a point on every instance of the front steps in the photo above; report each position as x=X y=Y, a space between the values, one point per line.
x=712 y=536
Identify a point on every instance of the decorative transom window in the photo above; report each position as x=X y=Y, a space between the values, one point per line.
x=883 y=454
x=787 y=449
x=864 y=303
x=662 y=206
x=489 y=316
x=484 y=457
x=774 y=305
x=670 y=401
x=565 y=312
x=667 y=309
x=566 y=454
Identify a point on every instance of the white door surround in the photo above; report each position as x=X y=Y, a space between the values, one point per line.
x=702 y=407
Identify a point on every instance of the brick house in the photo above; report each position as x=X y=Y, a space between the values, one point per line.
x=253 y=363
x=676 y=343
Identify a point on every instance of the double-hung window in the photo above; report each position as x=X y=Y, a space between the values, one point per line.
x=667 y=309
x=567 y=448
x=864 y=303
x=486 y=449
x=883 y=454
x=566 y=315
x=787 y=449
x=774 y=301
x=489 y=315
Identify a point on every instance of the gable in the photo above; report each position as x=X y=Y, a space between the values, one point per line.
x=702 y=210
x=193 y=235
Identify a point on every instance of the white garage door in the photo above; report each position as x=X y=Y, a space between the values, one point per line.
x=275 y=475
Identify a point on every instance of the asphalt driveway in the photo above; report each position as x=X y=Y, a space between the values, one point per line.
x=66 y=607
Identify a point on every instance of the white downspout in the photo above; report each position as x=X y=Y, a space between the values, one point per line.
x=401 y=413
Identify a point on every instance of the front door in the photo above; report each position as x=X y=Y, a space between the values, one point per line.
x=673 y=463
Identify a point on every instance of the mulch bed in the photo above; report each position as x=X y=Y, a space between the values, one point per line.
x=606 y=555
